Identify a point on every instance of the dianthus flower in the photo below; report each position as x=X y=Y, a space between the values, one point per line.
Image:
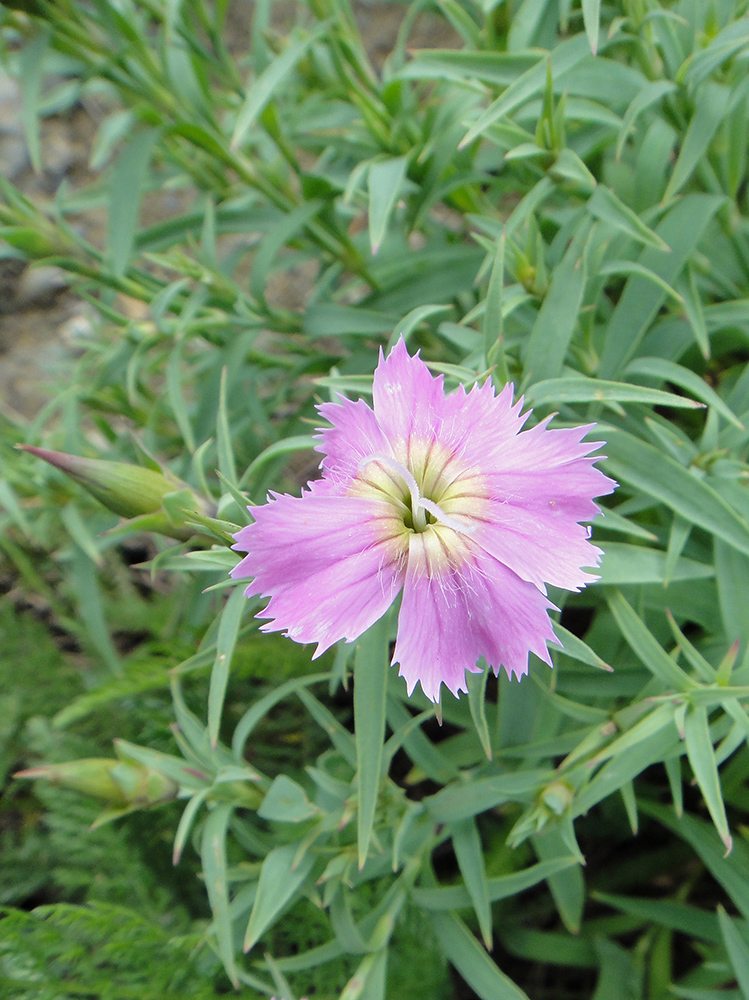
x=442 y=497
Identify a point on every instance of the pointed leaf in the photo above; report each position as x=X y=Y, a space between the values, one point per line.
x=213 y=854
x=470 y=855
x=658 y=475
x=591 y=20
x=385 y=181
x=701 y=756
x=231 y=618
x=737 y=948
x=371 y=665
x=266 y=85
x=281 y=876
x=469 y=958
x=607 y=207
x=646 y=647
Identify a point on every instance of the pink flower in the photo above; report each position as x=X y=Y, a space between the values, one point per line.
x=441 y=497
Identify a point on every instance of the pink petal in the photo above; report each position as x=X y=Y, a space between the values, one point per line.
x=532 y=522
x=408 y=400
x=478 y=424
x=451 y=616
x=355 y=435
x=332 y=565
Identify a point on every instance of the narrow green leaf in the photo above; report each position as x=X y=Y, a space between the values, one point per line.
x=701 y=756
x=591 y=20
x=645 y=646
x=490 y=66
x=455 y=897
x=279 y=980
x=567 y=886
x=470 y=855
x=606 y=206
x=579 y=389
x=286 y=802
x=259 y=709
x=669 y=371
x=405 y=327
x=710 y=104
x=176 y=768
x=177 y=400
x=681 y=229
x=645 y=98
x=613 y=521
x=730 y=872
x=732 y=39
x=191 y=728
x=677 y=539
x=637 y=564
x=31 y=66
x=732 y=575
x=469 y=958
x=231 y=618
x=339 y=736
x=10 y=502
x=562 y=58
x=627 y=792
x=557 y=318
x=457 y=802
x=569 y=167
x=371 y=664
x=423 y=752
x=696 y=659
x=213 y=855
x=463 y=23
x=738 y=951
x=385 y=181
x=493 y=323
x=526 y=20
x=275 y=239
x=657 y=475
x=186 y=821
x=369 y=980
x=633 y=267
x=226 y=464
x=78 y=530
x=301 y=442
x=576 y=649
x=331 y=320
x=125 y=190
x=282 y=874
x=620 y=972
x=695 y=312
x=266 y=85
x=527 y=205
x=476 y=684
x=87 y=591
x=641 y=746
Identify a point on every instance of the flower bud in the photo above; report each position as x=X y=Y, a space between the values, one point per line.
x=557 y=796
x=34 y=243
x=131 y=491
x=123 y=785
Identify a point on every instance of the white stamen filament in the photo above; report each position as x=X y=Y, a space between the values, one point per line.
x=449 y=522
x=419 y=504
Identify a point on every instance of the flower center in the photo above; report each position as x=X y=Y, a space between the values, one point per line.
x=399 y=484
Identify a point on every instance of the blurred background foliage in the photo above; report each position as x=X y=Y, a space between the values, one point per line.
x=213 y=217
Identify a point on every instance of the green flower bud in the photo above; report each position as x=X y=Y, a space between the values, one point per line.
x=92 y=776
x=131 y=491
x=121 y=784
x=557 y=796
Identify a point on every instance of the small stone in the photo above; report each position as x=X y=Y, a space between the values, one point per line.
x=39 y=287
x=14 y=156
